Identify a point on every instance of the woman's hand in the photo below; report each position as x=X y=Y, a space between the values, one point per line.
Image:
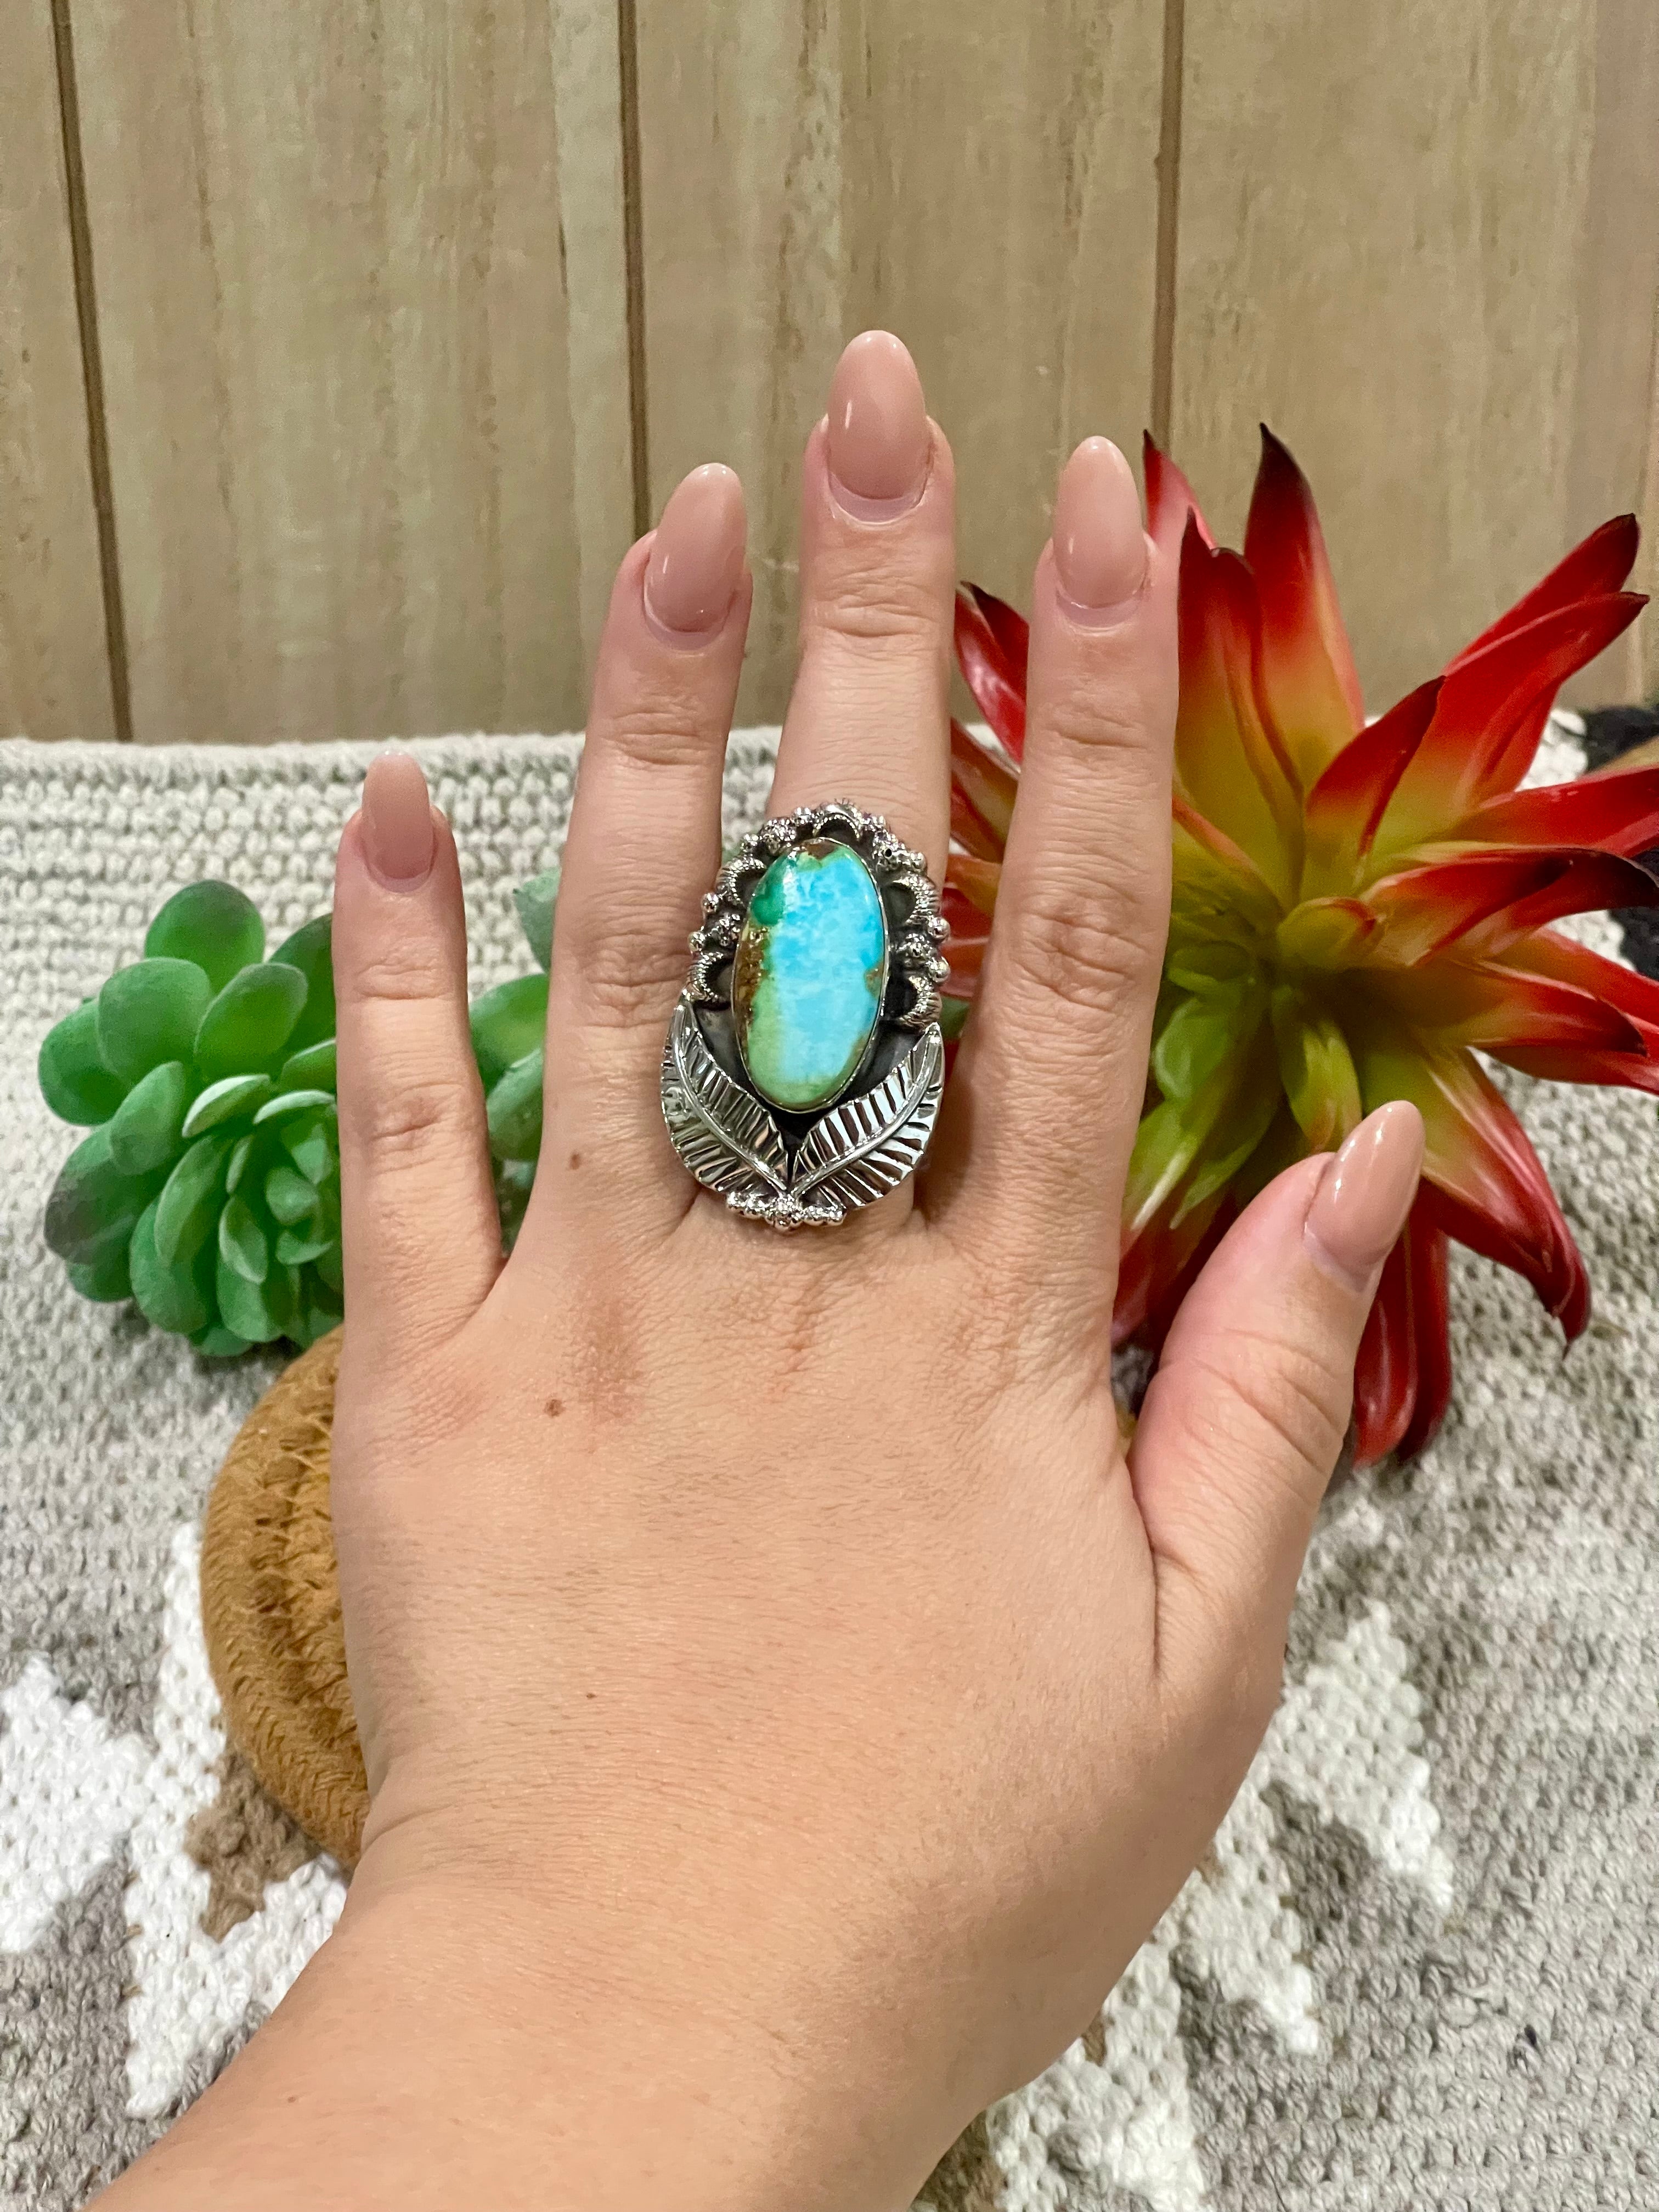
x=785 y=1707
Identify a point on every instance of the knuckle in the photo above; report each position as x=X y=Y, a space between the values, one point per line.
x=1083 y=710
x=625 y=982
x=1092 y=953
x=1290 y=1409
x=402 y=970
x=403 y=1122
x=860 y=609
x=1298 y=1401
x=671 y=730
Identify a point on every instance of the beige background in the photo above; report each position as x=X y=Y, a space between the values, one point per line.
x=343 y=349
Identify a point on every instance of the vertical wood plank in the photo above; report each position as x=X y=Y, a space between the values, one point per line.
x=1385 y=214
x=1643 y=678
x=979 y=178
x=54 y=667
x=1617 y=317
x=361 y=298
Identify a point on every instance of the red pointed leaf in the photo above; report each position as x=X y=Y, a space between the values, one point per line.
x=1483 y=1182
x=965 y=919
x=1309 y=685
x=987 y=784
x=967 y=958
x=1490 y=897
x=1588 y=882
x=1600 y=563
x=1159 y=1267
x=1549 y=952
x=1496 y=1007
x=1010 y=630
x=991 y=647
x=968 y=831
x=1385 y=1370
x=1620 y=813
x=1425 y=909
x=1564 y=1064
x=1228 y=761
x=1350 y=797
x=1430 y=1318
x=1492 y=711
x=1170 y=499
x=977 y=881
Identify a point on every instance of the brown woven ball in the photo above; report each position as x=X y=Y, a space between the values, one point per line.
x=270 y=1607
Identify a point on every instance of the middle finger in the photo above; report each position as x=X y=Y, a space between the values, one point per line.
x=868 y=721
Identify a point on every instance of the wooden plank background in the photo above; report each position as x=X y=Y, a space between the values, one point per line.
x=362 y=302
x=981 y=179
x=54 y=652
x=342 y=351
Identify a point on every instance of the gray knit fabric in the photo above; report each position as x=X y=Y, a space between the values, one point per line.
x=1420 y=1968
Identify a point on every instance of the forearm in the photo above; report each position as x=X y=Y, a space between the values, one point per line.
x=427 y=2059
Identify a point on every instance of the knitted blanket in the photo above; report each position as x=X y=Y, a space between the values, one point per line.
x=1420 y=1965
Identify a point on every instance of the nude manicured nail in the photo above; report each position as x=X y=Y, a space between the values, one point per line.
x=1100 y=548
x=398 y=838
x=1361 y=1204
x=696 y=554
x=879 y=440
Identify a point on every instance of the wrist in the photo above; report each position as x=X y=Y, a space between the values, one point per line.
x=695 y=2066
x=451 y=2046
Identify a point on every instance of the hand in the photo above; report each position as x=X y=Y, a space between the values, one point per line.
x=785 y=1707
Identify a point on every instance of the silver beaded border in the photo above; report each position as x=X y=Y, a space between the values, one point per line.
x=916 y=953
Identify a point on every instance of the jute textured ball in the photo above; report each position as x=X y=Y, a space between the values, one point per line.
x=270 y=1607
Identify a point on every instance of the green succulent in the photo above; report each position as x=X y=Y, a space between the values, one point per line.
x=508 y=1026
x=208 y=1189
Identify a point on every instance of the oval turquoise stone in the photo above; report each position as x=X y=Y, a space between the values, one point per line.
x=809 y=974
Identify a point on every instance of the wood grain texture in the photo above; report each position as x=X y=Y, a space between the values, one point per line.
x=1386 y=224
x=54 y=672
x=1643 y=677
x=361 y=298
x=1615 y=391
x=978 y=178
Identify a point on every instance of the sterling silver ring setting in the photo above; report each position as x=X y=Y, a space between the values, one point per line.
x=804 y=1062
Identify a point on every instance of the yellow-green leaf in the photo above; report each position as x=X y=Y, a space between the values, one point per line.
x=1315 y=1068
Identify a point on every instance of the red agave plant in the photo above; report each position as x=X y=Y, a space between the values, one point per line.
x=1357 y=911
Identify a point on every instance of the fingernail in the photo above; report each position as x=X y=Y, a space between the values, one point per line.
x=879 y=442
x=697 y=555
x=1365 y=1193
x=399 y=839
x=1100 y=547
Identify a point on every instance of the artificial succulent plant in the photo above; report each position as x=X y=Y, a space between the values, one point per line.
x=208 y=1189
x=1358 y=909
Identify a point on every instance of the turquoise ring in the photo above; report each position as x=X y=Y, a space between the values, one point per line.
x=803 y=1068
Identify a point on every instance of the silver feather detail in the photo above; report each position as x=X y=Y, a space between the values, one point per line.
x=868 y=1145
x=725 y=1137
